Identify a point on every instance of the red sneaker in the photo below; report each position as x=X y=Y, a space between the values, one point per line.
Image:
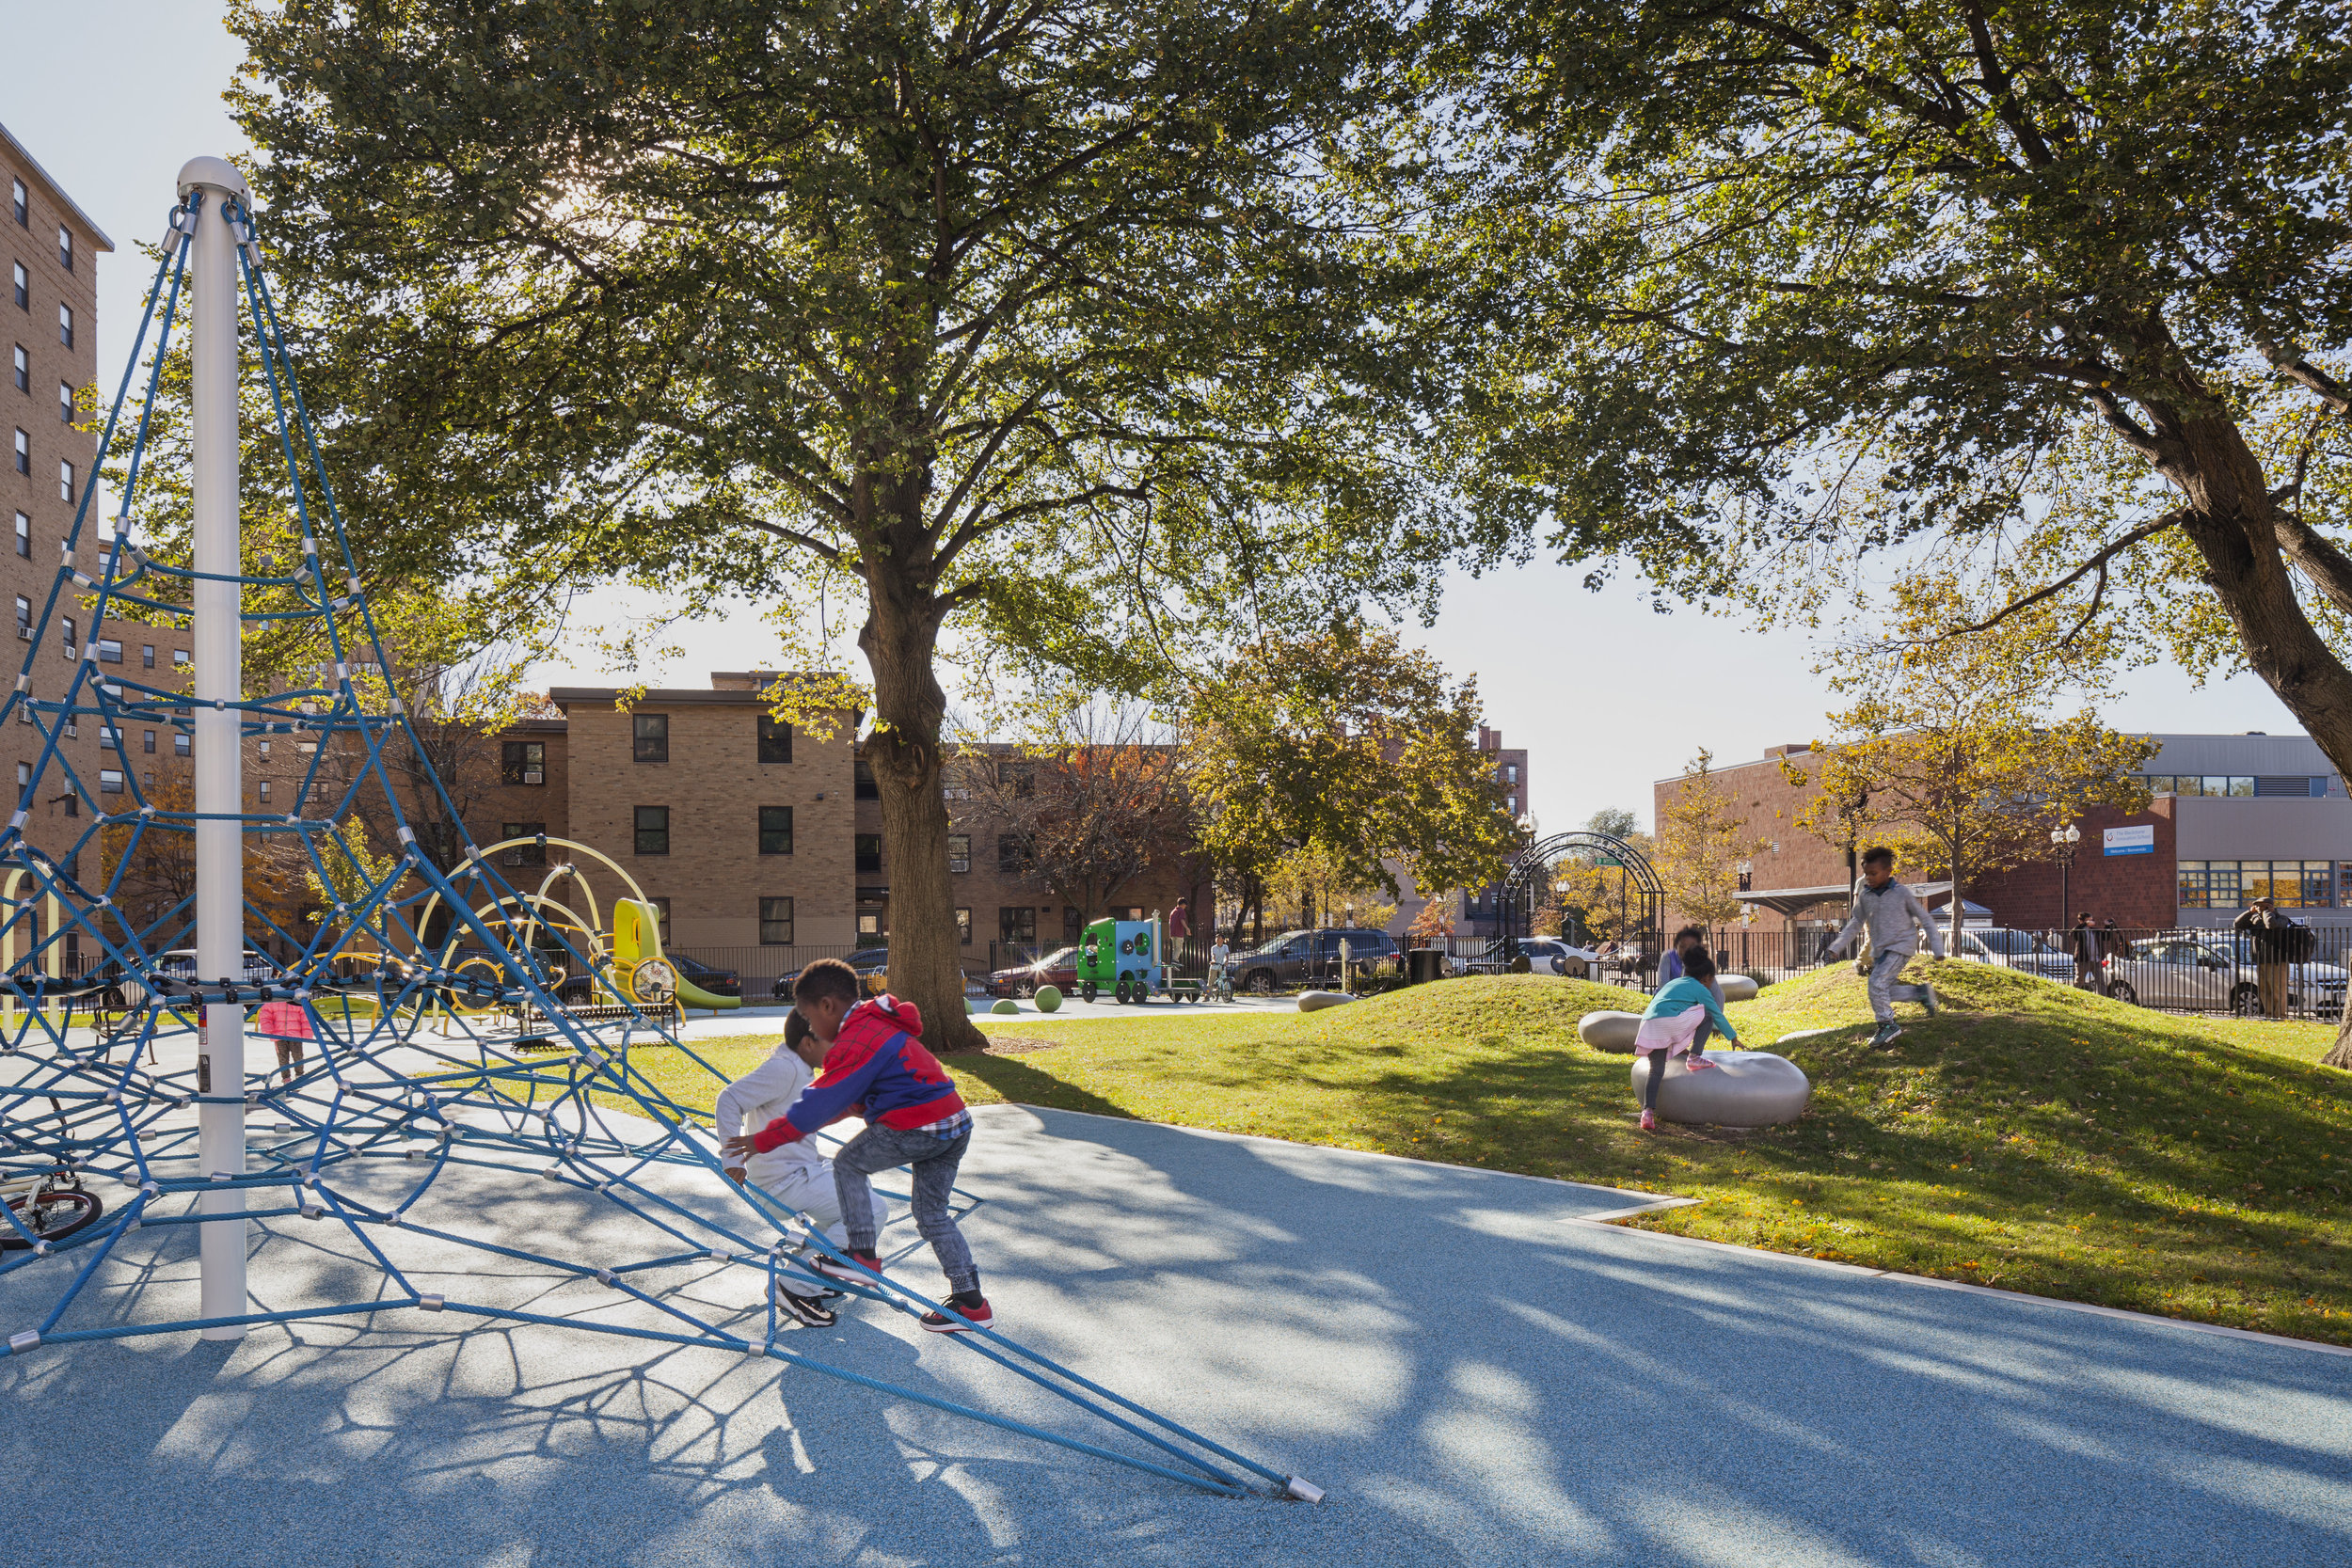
x=1649 y=1121
x=951 y=1317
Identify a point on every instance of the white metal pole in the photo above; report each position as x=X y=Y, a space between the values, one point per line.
x=219 y=785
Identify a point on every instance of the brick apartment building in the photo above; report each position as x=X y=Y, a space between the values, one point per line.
x=749 y=834
x=49 y=333
x=2233 y=818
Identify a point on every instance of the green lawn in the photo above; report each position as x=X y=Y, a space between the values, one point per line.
x=2034 y=1138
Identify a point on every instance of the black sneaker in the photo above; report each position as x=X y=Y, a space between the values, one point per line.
x=1888 y=1034
x=1926 y=1000
x=808 y=1309
x=859 y=1270
x=953 y=1316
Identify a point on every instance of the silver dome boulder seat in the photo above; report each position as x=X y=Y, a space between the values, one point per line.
x=1744 y=1088
x=1610 y=1032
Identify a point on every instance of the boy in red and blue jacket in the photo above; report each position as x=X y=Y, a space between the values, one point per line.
x=877 y=1066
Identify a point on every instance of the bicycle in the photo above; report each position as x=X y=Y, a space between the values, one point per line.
x=52 y=1203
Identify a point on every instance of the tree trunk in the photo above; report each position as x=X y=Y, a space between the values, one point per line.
x=900 y=639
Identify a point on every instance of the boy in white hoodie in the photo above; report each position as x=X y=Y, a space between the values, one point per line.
x=794 y=1174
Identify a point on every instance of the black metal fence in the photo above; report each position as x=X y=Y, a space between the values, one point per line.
x=2182 y=969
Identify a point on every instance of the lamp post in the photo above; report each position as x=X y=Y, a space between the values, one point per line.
x=2062 y=843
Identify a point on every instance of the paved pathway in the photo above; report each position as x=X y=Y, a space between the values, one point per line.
x=1476 y=1376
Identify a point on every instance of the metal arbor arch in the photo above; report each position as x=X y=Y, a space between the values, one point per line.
x=1642 y=897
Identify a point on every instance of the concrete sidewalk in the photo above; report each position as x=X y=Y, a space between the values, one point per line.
x=1475 y=1375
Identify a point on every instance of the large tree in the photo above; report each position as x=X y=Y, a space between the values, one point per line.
x=1767 y=285
x=1352 y=745
x=1037 y=326
x=1702 y=838
x=1955 y=750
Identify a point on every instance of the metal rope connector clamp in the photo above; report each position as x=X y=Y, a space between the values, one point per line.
x=431 y=1301
x=1305 y=1491
x=23 y=1340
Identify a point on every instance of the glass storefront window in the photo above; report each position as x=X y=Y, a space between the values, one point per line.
x=2235 y=884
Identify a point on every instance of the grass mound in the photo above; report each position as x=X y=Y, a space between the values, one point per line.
x=2034 y=1137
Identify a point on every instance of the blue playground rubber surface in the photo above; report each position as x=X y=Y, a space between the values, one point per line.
x=1473 y=1377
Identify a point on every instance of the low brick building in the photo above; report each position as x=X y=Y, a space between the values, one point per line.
x=2231 y=818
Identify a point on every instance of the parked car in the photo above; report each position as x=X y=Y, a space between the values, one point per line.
x=1058 y=969
x=1306 y=958
x=1551 y=956
x=2011 y=949
x=2208 y=974
x=871 y=963
x=718 y=982
x=180 y=963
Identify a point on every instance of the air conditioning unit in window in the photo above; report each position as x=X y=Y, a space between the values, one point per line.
x=533 y=775
x=24 y=633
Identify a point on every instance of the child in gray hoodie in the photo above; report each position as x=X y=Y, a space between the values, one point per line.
x=1892 y=917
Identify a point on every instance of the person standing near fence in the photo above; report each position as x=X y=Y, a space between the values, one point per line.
x=2087 y=945
x=2272 y=937
x=1892 y=917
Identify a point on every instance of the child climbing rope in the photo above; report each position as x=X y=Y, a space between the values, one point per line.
x=794 y=1174
x=1674 y=1022
x=876 y=1066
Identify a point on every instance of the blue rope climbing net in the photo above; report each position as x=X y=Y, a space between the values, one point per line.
x=474 y=1098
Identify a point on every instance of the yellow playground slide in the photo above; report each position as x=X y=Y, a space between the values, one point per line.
x=637 y=940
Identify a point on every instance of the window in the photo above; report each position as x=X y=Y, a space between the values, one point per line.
x=73 y=637
x=109 y=739
x=650 y=736
x=147 y=655
x=265 y=748
x=1511 y=805
x=147 y=741
x=662 y=918
x=264 y=789
x=23 y=288
x=2193 y=783
x=1511 y=772
x=775 y=829
x=110 y=652
x=65 y=247
x=65 y=403
x=65 y=325
x=653 y=830
x=24 y=453
x=65 y=482
x=1020 y=776
x=869 y=851
x=73 y=804
x=179 y=743
x=24 y=616
x=24 y=774
x=19 y=204
x=1017 y=923
x=523 y=762
x=776 y=922
x=523 y=854
x=873 y=922
x=24 y=370
x=862 y=782
x=1069 y=928
x=775 y=744
x=178 y=658
x=2235 y=884
x=23 y=535
x=964 y=926
x=959 y=852
x=1013 y=856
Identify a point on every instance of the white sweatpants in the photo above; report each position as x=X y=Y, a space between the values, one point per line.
x=811 y=1191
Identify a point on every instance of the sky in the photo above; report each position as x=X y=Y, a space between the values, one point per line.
x=1607 y=696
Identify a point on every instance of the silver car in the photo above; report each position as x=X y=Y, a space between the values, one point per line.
x=2208 y=975
x=2012 y=949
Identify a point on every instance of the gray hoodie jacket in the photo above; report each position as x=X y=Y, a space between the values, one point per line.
x=1892 y=917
